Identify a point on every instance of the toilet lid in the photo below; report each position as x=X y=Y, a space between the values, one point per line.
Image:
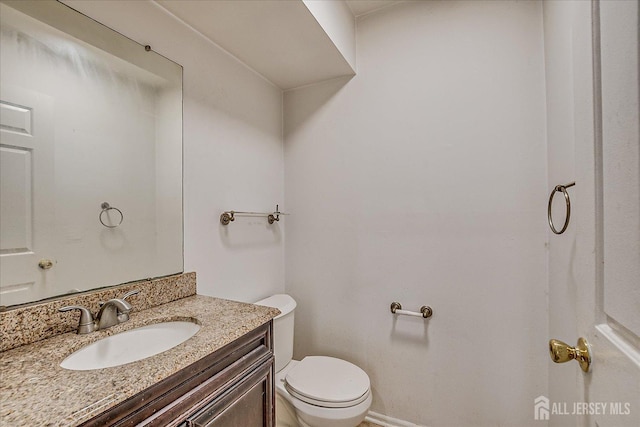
x=328 y=382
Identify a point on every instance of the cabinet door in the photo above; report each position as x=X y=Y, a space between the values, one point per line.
x=248 y=404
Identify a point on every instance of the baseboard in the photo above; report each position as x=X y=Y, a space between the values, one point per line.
x=386 y=421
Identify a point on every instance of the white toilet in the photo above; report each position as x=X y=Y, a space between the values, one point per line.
x=317 y=391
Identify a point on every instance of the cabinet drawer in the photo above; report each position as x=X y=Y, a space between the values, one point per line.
x=201 y=395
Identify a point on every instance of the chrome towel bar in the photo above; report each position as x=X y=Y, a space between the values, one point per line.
x=229 y=216
x=425 y=310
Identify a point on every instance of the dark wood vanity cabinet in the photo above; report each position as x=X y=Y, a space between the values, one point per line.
x=232 y=387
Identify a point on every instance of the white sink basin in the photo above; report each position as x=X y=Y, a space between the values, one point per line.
x=130 y=346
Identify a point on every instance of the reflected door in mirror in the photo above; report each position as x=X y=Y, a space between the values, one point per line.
x=26 y=194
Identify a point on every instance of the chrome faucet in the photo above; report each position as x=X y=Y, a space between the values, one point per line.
x=112 y=312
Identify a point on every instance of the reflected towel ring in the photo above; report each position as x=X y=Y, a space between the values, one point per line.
x=106 y=208
x=560 y=189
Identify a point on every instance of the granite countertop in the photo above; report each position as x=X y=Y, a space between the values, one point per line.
x=35 y=390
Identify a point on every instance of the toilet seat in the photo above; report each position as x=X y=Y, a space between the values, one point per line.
x=328 y=382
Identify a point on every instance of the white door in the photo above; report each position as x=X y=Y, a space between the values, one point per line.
x=606 y=214
x=26 y=195
x=616 y=335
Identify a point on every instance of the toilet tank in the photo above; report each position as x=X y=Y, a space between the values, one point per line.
x=282 y=327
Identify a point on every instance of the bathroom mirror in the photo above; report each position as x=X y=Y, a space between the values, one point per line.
x=90 y=152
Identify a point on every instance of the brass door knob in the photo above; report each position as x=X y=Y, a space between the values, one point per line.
x=45 y=264
x=561 y=352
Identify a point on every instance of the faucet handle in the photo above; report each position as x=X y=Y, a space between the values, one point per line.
x=123 y=316
x=125 y=296
x=86 y=324
x=130 y=293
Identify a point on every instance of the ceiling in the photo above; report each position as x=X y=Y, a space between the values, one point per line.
x=362 y=7
x=281 y=40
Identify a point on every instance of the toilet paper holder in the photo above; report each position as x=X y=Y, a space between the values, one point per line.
x=425 y=310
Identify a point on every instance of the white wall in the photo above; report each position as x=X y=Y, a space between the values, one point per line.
x=563 y=285
x=423 y=180
x=232 y=153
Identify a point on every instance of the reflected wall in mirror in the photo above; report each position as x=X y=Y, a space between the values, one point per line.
x=87 y=116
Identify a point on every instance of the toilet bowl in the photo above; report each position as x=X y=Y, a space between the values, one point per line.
x=314 y=411
x=318 y=391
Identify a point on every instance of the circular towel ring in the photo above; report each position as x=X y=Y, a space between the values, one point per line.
x=106 y=208
x=560 y=189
